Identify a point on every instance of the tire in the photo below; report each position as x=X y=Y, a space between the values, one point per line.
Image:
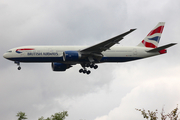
x=19 y=68
x=88 y=72
x=84 y=71
x=95 y=67
x=81 y=70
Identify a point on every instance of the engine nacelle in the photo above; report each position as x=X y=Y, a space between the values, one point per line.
x=59 y=66
x=71 y=55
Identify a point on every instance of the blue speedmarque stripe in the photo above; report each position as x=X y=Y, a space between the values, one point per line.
x=18 y=52
x=60 y=59
x=157 y=38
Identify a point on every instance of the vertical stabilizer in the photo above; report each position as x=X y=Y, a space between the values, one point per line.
x=153 y=38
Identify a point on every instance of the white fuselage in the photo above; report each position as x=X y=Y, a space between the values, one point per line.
x=55 y=53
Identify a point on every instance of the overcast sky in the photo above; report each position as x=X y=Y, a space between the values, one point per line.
x=114 y=90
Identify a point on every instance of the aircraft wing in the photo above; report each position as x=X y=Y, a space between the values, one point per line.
x=105 y=45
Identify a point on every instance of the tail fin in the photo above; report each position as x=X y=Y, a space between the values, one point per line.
x=153 y=38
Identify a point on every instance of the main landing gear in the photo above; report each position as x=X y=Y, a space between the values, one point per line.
x=84 y=70
x=18 y=63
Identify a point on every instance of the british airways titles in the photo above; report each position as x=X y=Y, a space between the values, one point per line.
x=41 y=53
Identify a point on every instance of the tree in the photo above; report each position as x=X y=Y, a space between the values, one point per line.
x=59 y=116
x=173 y=115
x=152 y=115
x=41 y=118
x=21 y=115
x=56 y=116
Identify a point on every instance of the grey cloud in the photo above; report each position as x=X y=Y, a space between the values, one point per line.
x=150 y=95
x=39 y=91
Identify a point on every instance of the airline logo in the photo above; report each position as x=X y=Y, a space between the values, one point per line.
x=157 y=30
x=24 y=49
x=156 y=38
x=148 y=44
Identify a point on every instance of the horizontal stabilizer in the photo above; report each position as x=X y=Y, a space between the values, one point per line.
x=162 y=47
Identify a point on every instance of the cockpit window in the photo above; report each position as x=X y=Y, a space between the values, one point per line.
x=9 y=51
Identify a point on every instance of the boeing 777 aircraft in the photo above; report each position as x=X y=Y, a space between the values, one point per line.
x=64 y=57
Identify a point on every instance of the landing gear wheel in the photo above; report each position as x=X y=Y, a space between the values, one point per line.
x=81 y=70
x=95 y=67
x=88 y=72
x=18 y=63
x=91 y=66
x=84 y=68
x=19 y=68
x=84 y=71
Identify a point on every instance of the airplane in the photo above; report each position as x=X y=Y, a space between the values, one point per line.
x=64 y=57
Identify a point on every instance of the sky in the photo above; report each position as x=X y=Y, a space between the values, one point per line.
x=114 y=90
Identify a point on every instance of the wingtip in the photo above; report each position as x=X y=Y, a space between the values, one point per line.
x=174 y=43
x=132 y=29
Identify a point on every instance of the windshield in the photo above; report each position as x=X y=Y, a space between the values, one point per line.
x=9 y=51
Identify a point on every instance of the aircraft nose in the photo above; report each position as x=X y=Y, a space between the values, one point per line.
x=5 y=55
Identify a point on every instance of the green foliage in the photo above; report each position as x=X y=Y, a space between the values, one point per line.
x=21 y=115
x=56 y=116
x=48 y=118
x=41 y=118
x=59 y=116
x=152 y=115
x=173 y=115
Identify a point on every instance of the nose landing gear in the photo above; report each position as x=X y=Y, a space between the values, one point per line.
x=18 y=63
x=19 y=68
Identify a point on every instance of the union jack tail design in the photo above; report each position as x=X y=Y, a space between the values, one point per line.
x=153 y=38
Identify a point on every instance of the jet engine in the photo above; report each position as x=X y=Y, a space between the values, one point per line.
x=59 y=66
x=71 y=55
